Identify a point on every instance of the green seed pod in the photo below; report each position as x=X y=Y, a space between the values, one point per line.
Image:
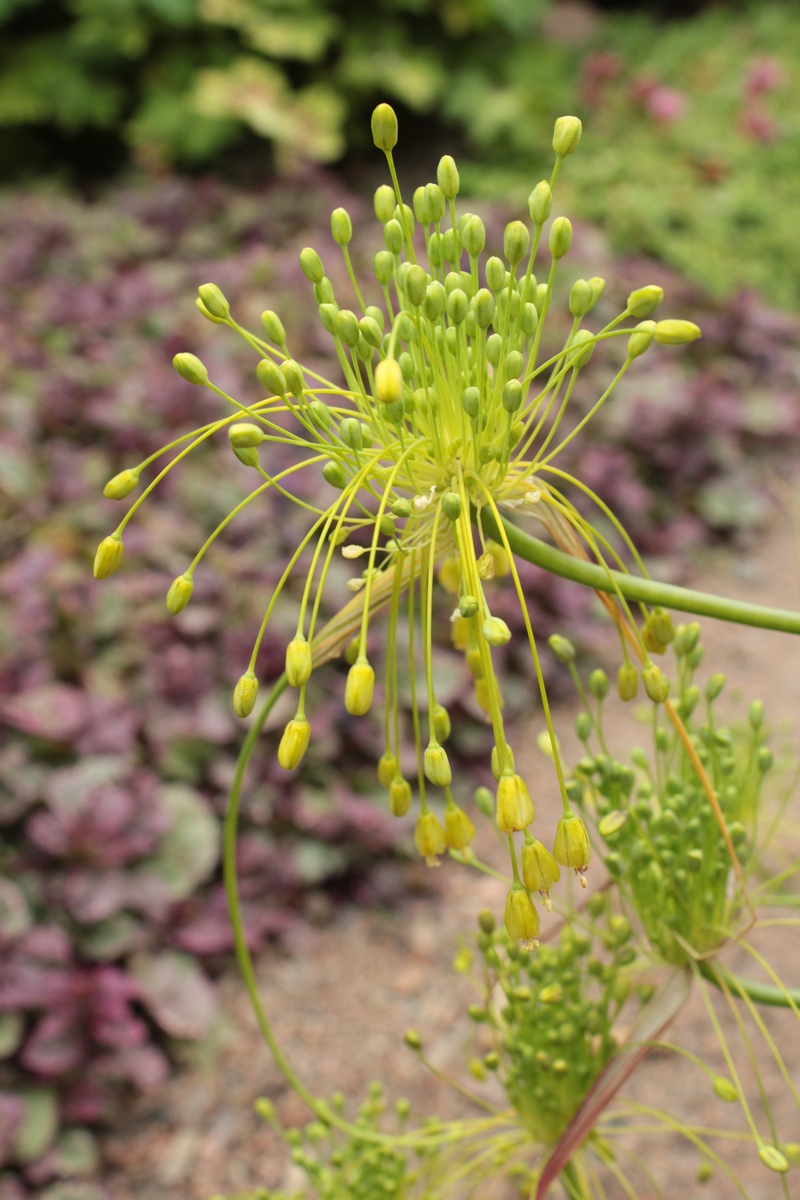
x=384 y=128
x=496 y=631
x=447 y=175
x=474 y=236
x=484 y=801
x=399 y=797
x=214 y=300
x=298 y=662
x=540 y=202
x=437 y=766
x=714 y=686
x=441 y=724
x=451 y=505
x=562 y=648
x=293 y=374
x=435 y=202
x=386 y=525
x=190 y=368
x=470 y=401
x=560 y=237
x=244 y=694
x=641 y=339
x=435 y=300
x=401 y=508
x=627 y=681
x=383 y=267
x=334 y=474
x=644 y=300
x=655 y=683
x=273 y=327
x=495 y=273
x=311 y=265
x=327 y=315
x=566 y=135
x=677 y=333
x=516 y=240
x=341 y=226
x=484 y=307
x=121 y=485
x=359 y=688
x=457 y=306
x=581 y=298
x=347 y=327
x=512 y=395
x=494 y=349
x=243 y=434
x=416 y=285
x=581 y=349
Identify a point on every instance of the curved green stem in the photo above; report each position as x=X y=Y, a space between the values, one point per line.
x=760 y=993
x=649 y=591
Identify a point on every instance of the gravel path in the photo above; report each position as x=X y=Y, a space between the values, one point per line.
x=344 y=987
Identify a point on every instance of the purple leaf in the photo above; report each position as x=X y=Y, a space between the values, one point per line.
x=54 y=711
x=55 y=1047
x=176 y=992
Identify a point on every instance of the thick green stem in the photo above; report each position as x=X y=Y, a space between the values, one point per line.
x=760 y=993
x=632 y=587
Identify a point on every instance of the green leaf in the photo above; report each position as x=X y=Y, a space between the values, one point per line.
x=189 y=851
x=39 y=1126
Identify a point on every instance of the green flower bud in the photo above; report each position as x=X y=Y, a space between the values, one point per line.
x=516 y=240
x=661 y=624
x=581 y=349
x=627 y=681
x=581 y=298
x=458 y=829
x=686 y=638
x=384 y=267
x=496 y=631
x=495 y=273
x=583 y=726
x=298 y=662
x=495 y=762
x=641 y=339
x=612 y=823
x=566 y=135
x=598 y=286
x=334 y=474
x=412 y=1038
x=347 y=327
x=214 y=300
x=420 y=206
x=484 y=801
x=484 y=307
x=273 y=327
x=108 y=556
x=714 y=686
x=271 y=377
x=540 y=202
x=512 y=395
x=677 y=333
x=441 y=722
x=755 y=714
x=598 y=684
x=351 y=433
x=359 y=689
x=327 y=315
x=514 y=364
x=121 y=485
x=385 y=202
x=401 y=508
x=311 y=265
x=447 y=175
x=435 y=202
x=416 y=285
x=514 y=808
x=294 y=743
x=435 y=300
x=470 y=401
x=384 y=128
x=321 y=414
x=494 y=349
x=530 y=320
x=540 y=298
x=323 y=291
x=644 y=300
x=772 y=1158
x=451 y=505
x=430 y=841
x=293 y=374
x=474 y=236
x=521 y=918
x=243 y=434
x=201 y=308
x=387 y=768
x=341 y=227
x=247 y=455
x=190 y=368
x=655 y=683
x=562 y=648
x=560 y=237
x=457 y=306
x=437 y=765
x=244 y=694
x=399 y=797
x=765 y=759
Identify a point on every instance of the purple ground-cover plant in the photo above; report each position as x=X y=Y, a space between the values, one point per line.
x=119 y=742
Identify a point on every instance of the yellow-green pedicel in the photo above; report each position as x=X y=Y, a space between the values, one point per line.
x=445 y=409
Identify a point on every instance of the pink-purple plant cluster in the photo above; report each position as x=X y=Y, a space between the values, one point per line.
x=118 y=741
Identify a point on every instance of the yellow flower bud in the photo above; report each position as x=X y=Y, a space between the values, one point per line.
x=651 y=643
x=676 y=333
x=655 y=683
x=725 y=1089
x=521 y=917
x=399 y=796
x=571 y=847
x=359 y=688
x=627 y=681
x=243 y=435
x=441 y=722
x=179 y=594
x=294 y=743
x=560 y=237
x=384 y=127
x=298 y=662
x=387 y=768
x=641 y=339
x=496 y=631
x=644 y=300
x=388 y=381
x=201 y=308
x=772 y=1158
x=458 y=829
x=121 y=485
x=214 y=300
x=108 y=556
x=190 y=368
x=460 y=633
x=539 y=870
x=567 y=135
x=429 y=838
x=514 y=808
x=244 y=694
x=540 y=202
x=437 y=765
x=449 y=575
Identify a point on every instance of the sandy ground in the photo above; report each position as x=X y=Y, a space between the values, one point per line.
x=343 y=989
